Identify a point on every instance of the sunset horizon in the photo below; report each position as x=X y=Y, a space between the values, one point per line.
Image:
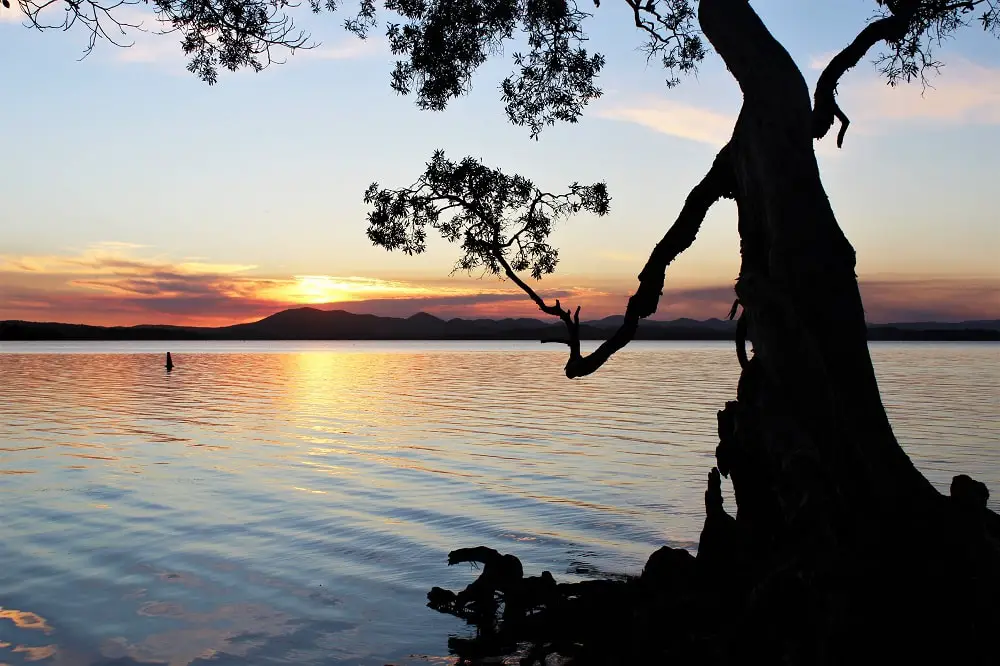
x=121 y=284
x=215 y=219
x=758 y=237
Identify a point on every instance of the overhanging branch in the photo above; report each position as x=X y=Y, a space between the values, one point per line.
x=825 y=107
x=718 y=183
x=908 y=28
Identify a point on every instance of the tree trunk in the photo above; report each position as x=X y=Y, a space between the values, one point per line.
x=835 y=525
x=840 y=552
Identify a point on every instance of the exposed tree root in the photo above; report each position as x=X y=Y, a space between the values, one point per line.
x=893 y=599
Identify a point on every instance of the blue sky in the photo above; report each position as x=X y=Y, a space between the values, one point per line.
x=133 y=192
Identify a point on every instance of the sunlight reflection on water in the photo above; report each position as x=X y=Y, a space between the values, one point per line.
x=295 y=507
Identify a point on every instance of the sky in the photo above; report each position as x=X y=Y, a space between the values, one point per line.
x=131 y=192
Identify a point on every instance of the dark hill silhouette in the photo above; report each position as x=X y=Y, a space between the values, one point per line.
x=683 y=322
x=309 y=323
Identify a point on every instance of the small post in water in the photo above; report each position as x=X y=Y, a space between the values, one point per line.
x=170 y=363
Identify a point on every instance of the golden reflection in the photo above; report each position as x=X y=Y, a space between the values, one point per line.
x=35 y=653
x=332 y=396
x=317 y=440
x=324 y=466
x=25 y=619
x=235 y=629
x=344 y=379
x=80 y=445
x=604 y=508
x=309 y=490
x=161 y=609
x=441 y=661
x=515 y=537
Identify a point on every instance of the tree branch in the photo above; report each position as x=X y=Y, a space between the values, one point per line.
x=718 y=183
x=230 y=33
x=825 y=107
x=504 y=224
x=672 y=34
x=572 y=321
x=908 y=28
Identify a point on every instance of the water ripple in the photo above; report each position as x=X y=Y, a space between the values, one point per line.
x=292 y=503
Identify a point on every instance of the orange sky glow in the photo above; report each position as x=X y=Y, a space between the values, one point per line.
x=114 y=284
x=166 y=171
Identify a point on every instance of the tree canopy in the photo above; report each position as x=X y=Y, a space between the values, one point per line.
x=503 y=222
x=441 y=43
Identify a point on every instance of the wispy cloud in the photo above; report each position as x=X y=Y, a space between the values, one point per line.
x=12 y=14
x=931 y=299
x=685 y=121
x=467 y=306
x=631 y=258
x=964 y=93
x=351 y=48
x=157 y=49
x=122 y=283
x=109 y=258
x=674 y=118
x=819 y=62
x=150 y=46
x=887 y=299
x=160 y=49
x=114 y=283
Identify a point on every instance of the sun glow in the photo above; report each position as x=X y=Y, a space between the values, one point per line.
x=317 y=289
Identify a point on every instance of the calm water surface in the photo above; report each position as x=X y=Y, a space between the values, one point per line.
x=279 y=503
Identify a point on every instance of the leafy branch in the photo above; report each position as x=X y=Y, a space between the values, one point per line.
x=503 y=224
x=231 y=34
x=910 y=30
x=672 y=34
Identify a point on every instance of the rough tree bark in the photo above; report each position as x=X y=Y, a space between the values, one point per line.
x=840 y=551
x=819 y=477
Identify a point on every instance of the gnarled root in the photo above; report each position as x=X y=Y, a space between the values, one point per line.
x=748 y=598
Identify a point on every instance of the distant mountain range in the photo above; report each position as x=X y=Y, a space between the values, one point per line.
x=314 y=324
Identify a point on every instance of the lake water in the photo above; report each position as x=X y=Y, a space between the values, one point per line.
x=280 y=503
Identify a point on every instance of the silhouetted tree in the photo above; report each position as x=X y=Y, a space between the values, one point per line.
x=840 y=550
x=503 y=222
